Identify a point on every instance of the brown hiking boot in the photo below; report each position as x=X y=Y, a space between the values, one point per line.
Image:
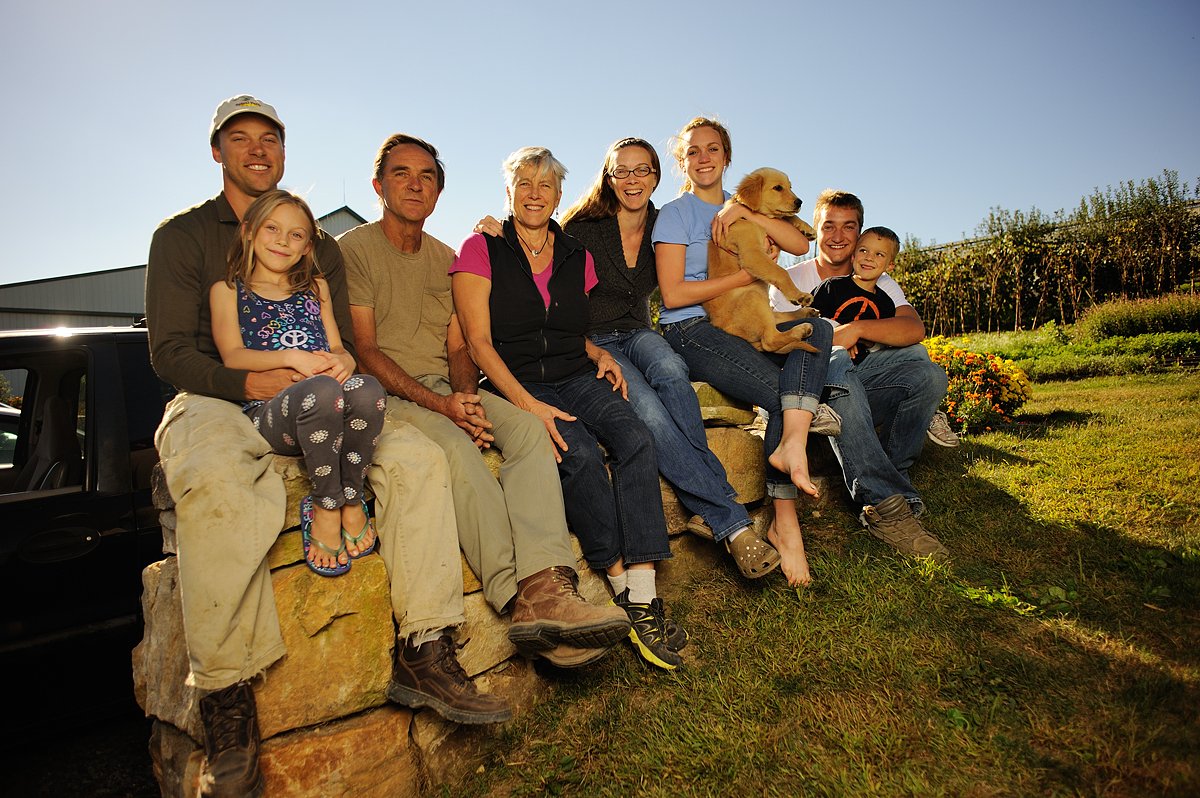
x=548 y=611
x=565 y=656
x=892 y=521
x=229 y=718
x=431 y=676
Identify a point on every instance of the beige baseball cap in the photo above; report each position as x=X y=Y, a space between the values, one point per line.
x=242 y=104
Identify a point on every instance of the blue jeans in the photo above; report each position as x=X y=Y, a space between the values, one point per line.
x=898 y=390
x=661 y=394
x=773 y=382
x=621 y=520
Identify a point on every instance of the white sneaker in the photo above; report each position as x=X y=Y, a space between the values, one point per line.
x=939 y=431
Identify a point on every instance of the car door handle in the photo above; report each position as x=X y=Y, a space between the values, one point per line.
x=57 y=545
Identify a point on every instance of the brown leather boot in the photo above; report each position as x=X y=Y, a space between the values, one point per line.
x=229 y=718
x=892 y=521
x=431 y=676
x=565 y=656
x=548 y=612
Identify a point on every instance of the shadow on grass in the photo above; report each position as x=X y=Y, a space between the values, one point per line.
x=1069 y=649
x=1098 y=624
x=1091 y=572
x=1038 y=425
x=963 y=457
x=1072 y=635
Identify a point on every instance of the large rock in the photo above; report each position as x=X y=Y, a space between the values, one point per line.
x=693 y=556
x=160 y=660
x=823 y=465
x=449 y=751
x=742 y=455
x=593 y=585
x=494 y=460
x=339 y=636
x=675 y=514
x=160 y=497
x=484 y=637
x=471 y=583
x=331 y=627
x=176 y=759
x=718 y=409
x=289 y=548
x=371 y=754
x=296 y=483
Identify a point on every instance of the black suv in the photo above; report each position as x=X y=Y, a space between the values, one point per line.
x=77 y=523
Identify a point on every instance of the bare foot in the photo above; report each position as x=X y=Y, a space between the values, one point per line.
x=784 y=534
x=353 y=521
x=792 y=459
x=326 y=529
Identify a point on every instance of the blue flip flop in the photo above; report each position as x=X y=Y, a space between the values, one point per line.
x=306 y=519
x=348 y=538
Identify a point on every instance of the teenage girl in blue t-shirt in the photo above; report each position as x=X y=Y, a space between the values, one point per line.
x=273 y=311
x=787 y=387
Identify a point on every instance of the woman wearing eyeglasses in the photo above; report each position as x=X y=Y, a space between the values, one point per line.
x=614 y=219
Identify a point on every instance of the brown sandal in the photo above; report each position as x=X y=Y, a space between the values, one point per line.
x=754 y=556
x=696 y=526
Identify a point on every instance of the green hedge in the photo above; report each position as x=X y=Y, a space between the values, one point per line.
x=1171 y=313
x=1123 y=337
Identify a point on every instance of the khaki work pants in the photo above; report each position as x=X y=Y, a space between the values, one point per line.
x=508 y=529
x=229 y=504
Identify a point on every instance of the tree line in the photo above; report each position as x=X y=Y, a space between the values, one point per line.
x=1023 y=269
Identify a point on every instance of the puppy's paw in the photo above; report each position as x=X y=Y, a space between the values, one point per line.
x=805 y=228
x=803 y=299
x=801 y=331
x=794 y=294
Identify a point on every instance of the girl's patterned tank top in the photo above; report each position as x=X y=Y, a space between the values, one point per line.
x=292 y=323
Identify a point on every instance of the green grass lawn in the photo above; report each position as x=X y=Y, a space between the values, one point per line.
x=1058 y=655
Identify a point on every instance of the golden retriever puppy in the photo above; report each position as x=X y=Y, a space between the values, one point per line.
x=746 y=312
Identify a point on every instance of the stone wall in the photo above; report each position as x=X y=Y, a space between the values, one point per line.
x=326 y=725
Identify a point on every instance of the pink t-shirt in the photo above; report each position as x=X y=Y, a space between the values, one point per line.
x=473 y=259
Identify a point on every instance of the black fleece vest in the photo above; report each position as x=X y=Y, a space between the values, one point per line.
x=539 y=344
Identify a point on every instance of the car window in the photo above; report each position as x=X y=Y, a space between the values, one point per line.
x=12 y=384
x=49 y=390
x=8 y=445
x=81 y=413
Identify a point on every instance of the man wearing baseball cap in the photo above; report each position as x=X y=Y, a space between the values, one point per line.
x=242 y=104
x=230 y=503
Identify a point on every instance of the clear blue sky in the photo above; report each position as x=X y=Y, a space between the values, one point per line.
x=932 y=113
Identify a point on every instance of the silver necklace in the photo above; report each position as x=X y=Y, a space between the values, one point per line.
x=538 y=251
